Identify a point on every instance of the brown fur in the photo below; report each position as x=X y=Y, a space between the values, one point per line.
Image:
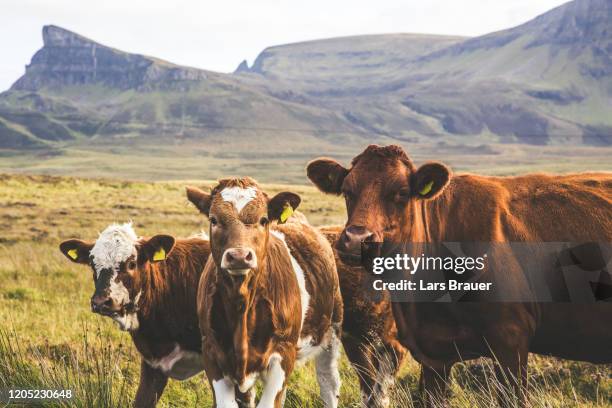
x=245 y=319
x=167 y=309
x=369 y=335
x=383 y=194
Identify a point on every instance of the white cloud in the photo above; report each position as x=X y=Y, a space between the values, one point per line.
x=218 y=35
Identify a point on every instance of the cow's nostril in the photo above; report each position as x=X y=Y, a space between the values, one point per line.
x=249 y=256
x=108 y=303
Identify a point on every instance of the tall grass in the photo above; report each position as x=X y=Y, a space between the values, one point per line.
x=95 y=375
x=101 y=373
x=552 y=383
x=49 y=338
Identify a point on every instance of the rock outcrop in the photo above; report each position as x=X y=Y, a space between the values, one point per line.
x=68 y=59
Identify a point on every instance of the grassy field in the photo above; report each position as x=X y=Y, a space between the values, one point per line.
x=50 y=339
x=207 y=159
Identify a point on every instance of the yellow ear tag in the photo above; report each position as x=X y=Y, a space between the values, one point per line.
x=73 y=254
x=287 y=212
x=426 y=189
x=159 y=255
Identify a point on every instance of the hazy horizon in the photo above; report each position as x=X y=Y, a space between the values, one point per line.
x=218 y=37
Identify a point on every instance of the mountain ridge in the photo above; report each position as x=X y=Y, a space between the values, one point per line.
x=92 y=62
x=547 y=81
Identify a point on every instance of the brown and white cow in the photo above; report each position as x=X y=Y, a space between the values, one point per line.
x=269 y=296
x=148 y=286
x=388 y=199
x=369 y=335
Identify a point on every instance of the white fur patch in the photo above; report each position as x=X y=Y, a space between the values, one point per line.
x=248 y=382
x=274 y=379
x=328 y=376
x=117 y=291
x=225 y=396
x=114 y=245
x=127 y=322
x=299 y=275
x=179 y=364
x=239 y=196
x=307 y=350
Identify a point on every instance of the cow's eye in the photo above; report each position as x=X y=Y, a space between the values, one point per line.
x=264 y=221
x=131 y=265
x=213 y=221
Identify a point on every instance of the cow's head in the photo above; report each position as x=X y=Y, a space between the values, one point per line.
x=119 y=260
x=240 y=215
x=380 y=188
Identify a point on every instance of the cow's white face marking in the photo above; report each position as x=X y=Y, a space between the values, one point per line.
x=225 y=395
x=299 y=275
x=115 y=245
x=127 y=321
x=238 y=196
x=274 y=379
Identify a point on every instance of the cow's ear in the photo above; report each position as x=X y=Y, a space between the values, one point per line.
x=200 y=199
x=76 y=250
x=430 y=179
x=282 y=205
x=327 y=175
x=156 y=248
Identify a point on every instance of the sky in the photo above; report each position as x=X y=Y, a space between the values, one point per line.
x=218 y=35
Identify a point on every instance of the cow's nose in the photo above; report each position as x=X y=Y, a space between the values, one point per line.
x=238 y=261
x=103 y=305
x=352 y=238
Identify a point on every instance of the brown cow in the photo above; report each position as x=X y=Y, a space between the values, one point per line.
x=269 y=296
x=148 y=286
x=369 y=335
x=388 y=199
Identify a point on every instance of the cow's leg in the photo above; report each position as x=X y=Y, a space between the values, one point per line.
x=224 y=389
x=434 y=384
x=359 y=354
x=386 y=364
x=328 y=377
x=511 y=372
x=275 y=378
x=151 y=387
x=224 y=392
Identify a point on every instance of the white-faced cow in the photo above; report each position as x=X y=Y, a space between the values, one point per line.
x=390 y=200
x=148 y=286
x=269 y=296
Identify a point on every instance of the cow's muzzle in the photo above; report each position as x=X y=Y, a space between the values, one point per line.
x=105 y=306
x=355 y=244
x=239 y=261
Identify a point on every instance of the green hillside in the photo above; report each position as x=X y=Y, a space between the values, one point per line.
x=473 y=102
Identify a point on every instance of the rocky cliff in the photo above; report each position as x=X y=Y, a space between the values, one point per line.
x=68 y=59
